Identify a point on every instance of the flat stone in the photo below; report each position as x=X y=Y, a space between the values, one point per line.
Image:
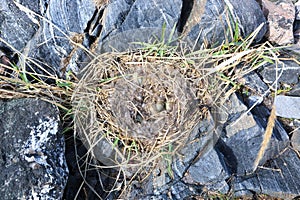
x=209 y=171
x=254 y=83
x=287 y=106
x=33 y=164
x=200 y=142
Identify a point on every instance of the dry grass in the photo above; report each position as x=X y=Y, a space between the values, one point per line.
x=267 y=137
x=144 y=107
x=140 y=108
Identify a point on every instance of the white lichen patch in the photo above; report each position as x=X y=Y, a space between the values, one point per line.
x=45 y=155
x=39 y=136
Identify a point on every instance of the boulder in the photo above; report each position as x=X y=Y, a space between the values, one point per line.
x=33 y=164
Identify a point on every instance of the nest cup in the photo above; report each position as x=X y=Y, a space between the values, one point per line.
x=129 y=109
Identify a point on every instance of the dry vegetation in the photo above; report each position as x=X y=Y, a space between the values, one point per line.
x=138 y=106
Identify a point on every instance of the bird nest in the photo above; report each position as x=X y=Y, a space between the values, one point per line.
x=130 y=109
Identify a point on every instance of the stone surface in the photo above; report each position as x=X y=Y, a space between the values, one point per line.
x=43 y=31
x=213 y=21
x=295 y=140
x=297 y=10
x=295 y=91
x=52 y=45
x=33 y=164
x=288 y=71
x=137 y=21
x=134 y=39
x=197 y=166
x=280 y=16
x=277 y=178
x=287 y=106
x=23 y=30
x=201 y=21
x=244 y=136
x=130 y=15
x=199 y=163
x=254 y=82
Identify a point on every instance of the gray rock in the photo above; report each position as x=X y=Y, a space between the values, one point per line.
x=204 y=140
x=278 y=178
x=201 y=21
x=295 y=91
x=288 y=71
x=200 y=163
x=51 y=44
x=297 y=10
x=244 y=135
x=127 y=22
x=295 y=140
x=33 y=164
x=124 y=15
x=134 y=39
x=287 y=106
x=210 y=171
x=17 y=28
x=254 y=83
x=213 y=24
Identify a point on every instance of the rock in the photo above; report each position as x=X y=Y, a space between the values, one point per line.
x=14 y=20
x=288 y=71
x=200 y=163
x=213 y=21
x=52 y=44
x=130 y=15
x=254 y=83
x=278 y=178
x=137 y=21
x=297 y=10
x=236 y=108
x=33 y=164
x=280 y=16
x=287 y=106
x=297 y=23
x=134 y=39
x=295 y=91
x=248 y=134
x=195 y=167
x=295 y=140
